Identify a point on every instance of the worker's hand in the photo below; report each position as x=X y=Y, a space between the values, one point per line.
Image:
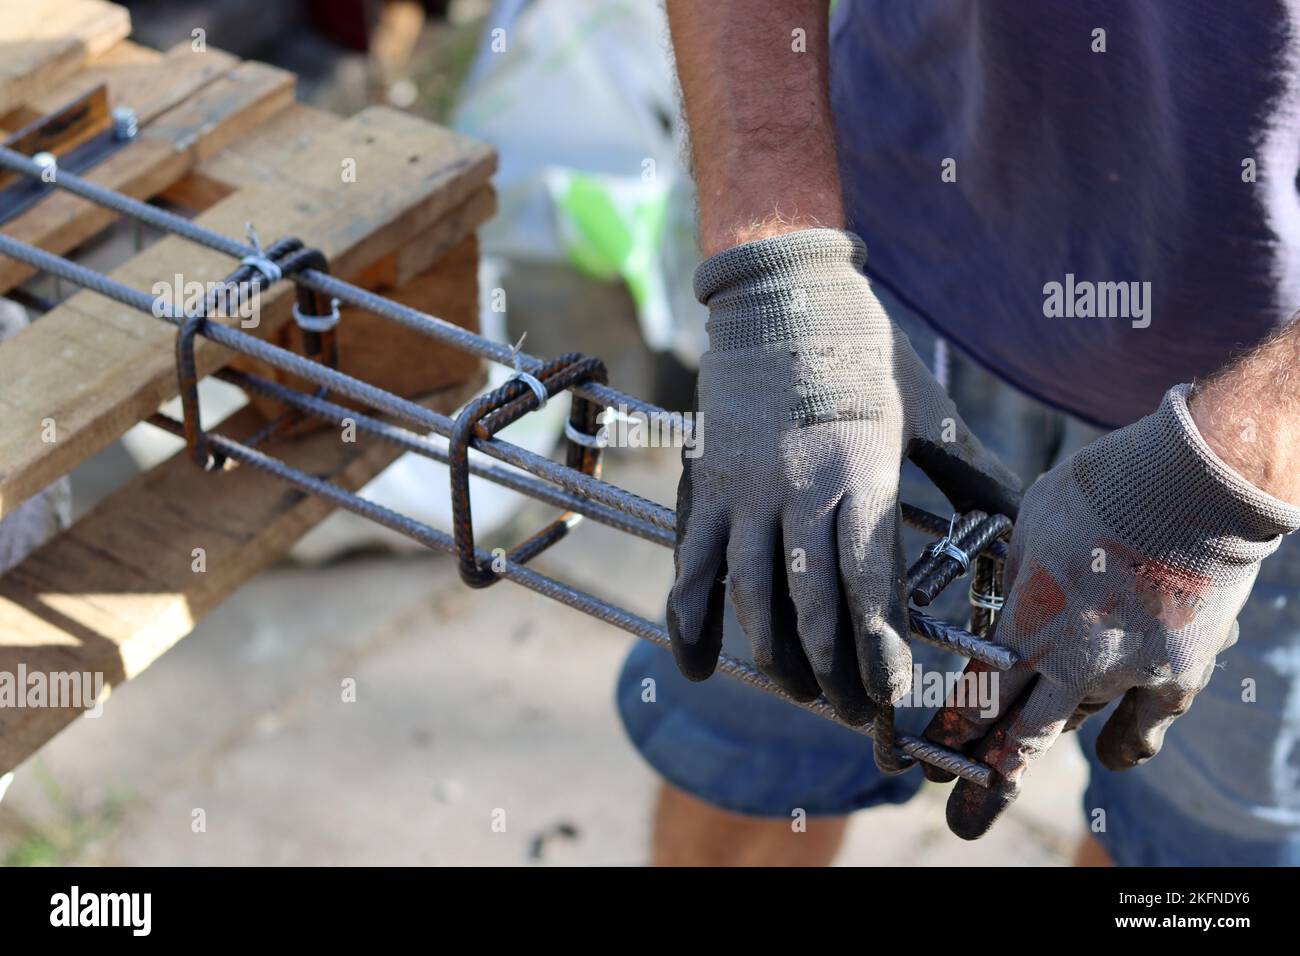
x=1126 y=571
x=809 y=399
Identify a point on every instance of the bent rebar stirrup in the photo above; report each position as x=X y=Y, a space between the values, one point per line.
x=973 y=540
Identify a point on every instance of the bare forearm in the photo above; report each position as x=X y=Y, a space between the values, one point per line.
x=762 y=138
x=1249 y=413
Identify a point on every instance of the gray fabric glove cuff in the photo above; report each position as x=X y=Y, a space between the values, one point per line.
x=794 y=286
x=1157 y=485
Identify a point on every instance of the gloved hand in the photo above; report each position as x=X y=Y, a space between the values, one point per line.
x=1126 y=572
x=809 y=398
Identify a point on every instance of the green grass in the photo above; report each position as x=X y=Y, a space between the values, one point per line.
x=66 y=840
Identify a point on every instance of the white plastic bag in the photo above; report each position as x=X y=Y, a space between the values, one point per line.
x=579 y=98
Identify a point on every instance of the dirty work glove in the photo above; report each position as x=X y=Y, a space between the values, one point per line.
x=808 y=399
x=1127 y=569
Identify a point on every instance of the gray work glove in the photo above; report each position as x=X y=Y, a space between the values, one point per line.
x=809 y=400
x=1127 y=569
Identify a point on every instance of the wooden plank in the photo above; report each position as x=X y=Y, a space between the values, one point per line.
x=266 y=155
x=224 y=110
x=416 y=257
x=94 y=368
x=43 y=41
x=220 y=99
x=118 y=589
x=63 y=129
x=146 y=80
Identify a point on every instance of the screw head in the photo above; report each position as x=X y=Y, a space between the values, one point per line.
x=125 y=123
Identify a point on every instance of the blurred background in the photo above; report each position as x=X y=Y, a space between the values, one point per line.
x=467 y=701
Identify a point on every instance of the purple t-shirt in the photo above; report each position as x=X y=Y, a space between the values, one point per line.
x=1094 y=200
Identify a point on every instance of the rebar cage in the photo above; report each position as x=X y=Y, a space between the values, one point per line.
x=972 y=542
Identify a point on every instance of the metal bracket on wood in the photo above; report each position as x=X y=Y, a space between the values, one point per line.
x=74 y=138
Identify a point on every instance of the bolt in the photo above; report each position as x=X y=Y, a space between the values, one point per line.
x=125 y=124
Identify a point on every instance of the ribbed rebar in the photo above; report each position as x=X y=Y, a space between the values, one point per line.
x=985 y=594
x=596 y=607
x=346 y=385
x=931 y=558
x=971 y=544
x=414 y=319
x=410 y=441
x=581 y=493
x=945 y=635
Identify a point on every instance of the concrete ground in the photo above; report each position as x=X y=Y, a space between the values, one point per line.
x=471 y=708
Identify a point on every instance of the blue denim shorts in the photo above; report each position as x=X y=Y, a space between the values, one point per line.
x=1225 y=789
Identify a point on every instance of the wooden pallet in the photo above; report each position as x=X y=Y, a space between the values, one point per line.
x=226 y=139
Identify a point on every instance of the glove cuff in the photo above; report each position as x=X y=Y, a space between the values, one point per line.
x=1160 y=488
x=793 y=286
